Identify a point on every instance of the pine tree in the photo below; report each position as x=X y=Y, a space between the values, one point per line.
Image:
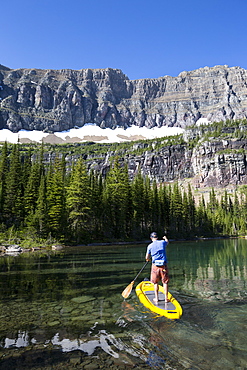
x=117 y=201
x=203 y=223
x=138 y=201
x=185 y=224
x=243 y=210
x=31 y=192
x=41 y=159
x=164 y=202
x=129 y=202
x=191 y=216
x=27 y=165
x=3 y=175
x=13 y=202
x=79 y=202
x=96 y=206
x=40 y=217
x=213 y=202
x=212 y=212
x=155 y=208
x=236 y=215
x=176 y=210
x=147 y=205
x=56 y=199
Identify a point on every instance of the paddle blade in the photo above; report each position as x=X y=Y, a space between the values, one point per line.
x=128 y=290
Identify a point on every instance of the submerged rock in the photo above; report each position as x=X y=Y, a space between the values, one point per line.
x=83 y=299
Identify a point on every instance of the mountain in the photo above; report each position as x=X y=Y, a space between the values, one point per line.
x=58 y=100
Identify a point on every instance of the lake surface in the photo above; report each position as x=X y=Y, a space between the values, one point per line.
x=64 y=309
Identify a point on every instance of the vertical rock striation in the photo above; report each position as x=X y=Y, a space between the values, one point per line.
x=57 y=100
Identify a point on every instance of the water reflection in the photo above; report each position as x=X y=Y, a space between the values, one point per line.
x=22 y=340
x=216 y=269
x=103 y=340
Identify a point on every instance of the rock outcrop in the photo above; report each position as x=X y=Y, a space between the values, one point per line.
x=220 y=164
x=169 y=163
x=216 y=161
x=57 y=100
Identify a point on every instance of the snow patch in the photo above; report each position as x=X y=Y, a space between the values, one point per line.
x=202 y=121
x=90 y=132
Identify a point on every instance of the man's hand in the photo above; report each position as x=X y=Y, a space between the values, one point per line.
x=147 y=258
x=165 y=238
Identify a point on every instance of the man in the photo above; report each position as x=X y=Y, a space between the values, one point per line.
x=159 y=271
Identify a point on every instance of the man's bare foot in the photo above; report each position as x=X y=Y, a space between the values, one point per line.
x=155 y=300
x=167 y=300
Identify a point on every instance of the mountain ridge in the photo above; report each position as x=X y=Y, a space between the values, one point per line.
x=58 y=100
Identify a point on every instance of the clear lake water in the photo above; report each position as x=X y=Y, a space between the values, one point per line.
x=64 y=309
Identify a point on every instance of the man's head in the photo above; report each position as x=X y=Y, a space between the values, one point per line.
x=153 y=235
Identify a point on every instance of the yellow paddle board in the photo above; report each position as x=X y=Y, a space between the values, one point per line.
x=145 y=293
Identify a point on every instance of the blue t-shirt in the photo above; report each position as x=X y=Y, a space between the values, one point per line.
x=157 y=250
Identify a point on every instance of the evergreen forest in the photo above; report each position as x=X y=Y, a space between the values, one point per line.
x=47 y=203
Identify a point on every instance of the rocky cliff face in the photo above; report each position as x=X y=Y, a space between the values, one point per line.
x=220 y=164
x=169 y=163
x=54 y=100
x=215 y=162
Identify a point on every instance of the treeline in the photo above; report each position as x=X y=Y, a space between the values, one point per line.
x=78 y=207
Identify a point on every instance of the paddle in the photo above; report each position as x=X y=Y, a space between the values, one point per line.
x=128 y=289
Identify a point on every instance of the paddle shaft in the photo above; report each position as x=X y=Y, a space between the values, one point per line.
x=143 y=267
x=128 y=289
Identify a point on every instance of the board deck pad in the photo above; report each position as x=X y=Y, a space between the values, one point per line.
x=161 y=302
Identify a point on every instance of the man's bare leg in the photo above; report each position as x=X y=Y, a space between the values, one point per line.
x=165 y=285
x=156 y=290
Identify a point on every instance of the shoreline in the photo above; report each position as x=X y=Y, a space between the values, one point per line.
x=58 y=247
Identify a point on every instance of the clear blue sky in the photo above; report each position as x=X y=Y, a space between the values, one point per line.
x=145 y=39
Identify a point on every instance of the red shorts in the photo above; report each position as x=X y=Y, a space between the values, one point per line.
x=159 y=273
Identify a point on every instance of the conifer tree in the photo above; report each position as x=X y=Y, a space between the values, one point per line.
x=138 y=201
x=243 y=210
x=212 y=212
x=164 y=202
x=13 y=202
x=213 y=202
x=56 y=199
x=176 y=210
x=96 y=206
x=185 y=225
x=27 y=165
x=200 y=216
x=116 y=198
x=31 y=192
x=191 y=216
x=40 y=217
x=3 y=175
x=155 y=208
x=129 y=202
x=147 y=205
x=203 y=223
x=79 y=202
x=41 y=159
x=236 y=215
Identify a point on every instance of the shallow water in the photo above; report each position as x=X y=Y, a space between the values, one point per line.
x=65 y=310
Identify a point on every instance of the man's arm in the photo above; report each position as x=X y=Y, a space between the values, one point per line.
x=165 y=238
x=147 y=256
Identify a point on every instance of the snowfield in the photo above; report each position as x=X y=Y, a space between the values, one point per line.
x=89 y=132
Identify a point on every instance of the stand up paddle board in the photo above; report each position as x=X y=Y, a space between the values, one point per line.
x=145 y=293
